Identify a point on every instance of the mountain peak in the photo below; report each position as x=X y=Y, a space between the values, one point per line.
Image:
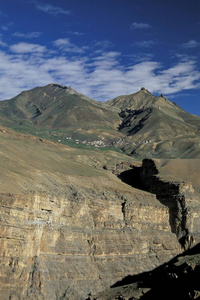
x=141 y=123
x=144 y=90
x=141 y=100
x=63 y=87
x=59 y=85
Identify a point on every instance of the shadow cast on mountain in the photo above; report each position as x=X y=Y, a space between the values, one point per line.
x=176 y=279
x=167 y=193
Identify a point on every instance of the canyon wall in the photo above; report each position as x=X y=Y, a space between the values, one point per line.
x=54 y=247
x=69 y=227
x=180 y=198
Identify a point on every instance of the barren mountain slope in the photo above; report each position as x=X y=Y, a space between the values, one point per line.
x=57 y=112
x=140 y=124
x=68 y=225
x=180 y=170
x=157 y=127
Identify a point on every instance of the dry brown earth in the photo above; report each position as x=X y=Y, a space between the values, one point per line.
x=69 y=226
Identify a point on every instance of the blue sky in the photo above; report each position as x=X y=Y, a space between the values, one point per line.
x=102 y=48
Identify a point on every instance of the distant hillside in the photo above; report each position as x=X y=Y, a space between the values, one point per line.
x=140 y=124
x=57 y=112
x=157 y=127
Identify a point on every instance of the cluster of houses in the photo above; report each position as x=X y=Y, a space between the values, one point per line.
x=98 y=143
x=101 y=143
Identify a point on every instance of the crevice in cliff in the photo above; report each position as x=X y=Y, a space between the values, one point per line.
x=167 y=192
x=124 y=209
x=35 y=280
x=92 y=246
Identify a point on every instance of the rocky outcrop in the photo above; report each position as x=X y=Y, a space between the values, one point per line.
x=177 y=279
x=69 y=227
x=179 y=197
x=66 y=247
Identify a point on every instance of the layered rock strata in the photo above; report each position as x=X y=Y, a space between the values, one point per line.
x=66 y=247
x=69 y=227
x=176 y=279
x=178 y=196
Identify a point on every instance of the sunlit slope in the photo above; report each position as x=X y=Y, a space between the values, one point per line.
x=31 y=164
x=157 y=127
x=141 y=124
x=59 y=109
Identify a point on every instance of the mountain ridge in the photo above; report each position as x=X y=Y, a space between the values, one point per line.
x=139 y=124
x=77 y=221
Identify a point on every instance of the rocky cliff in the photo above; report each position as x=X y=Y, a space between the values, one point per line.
x=69 y=227
x=54 y=246
x=179 y=196
x=176 y=279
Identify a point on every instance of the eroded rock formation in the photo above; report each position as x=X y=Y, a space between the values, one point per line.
x=54 y=247
x=176 y=279
x=178 y=196
x=69 y=227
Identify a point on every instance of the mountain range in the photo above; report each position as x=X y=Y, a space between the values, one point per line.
x=141 y=124
x=80 y=219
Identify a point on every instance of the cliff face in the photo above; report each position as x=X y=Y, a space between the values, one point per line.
x=178 y=196
x=69 y=227
x=176 y=279
x=52 y=247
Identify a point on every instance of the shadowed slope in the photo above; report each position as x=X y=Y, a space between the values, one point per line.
x=177 y=279
x=156 y=127
x=140 y=124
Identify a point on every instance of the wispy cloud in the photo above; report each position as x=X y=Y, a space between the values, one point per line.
x=6 y=26
x=29 y=35
x=66 y=45
x=51 y=9
x=102 y=44
x=141 y=25
x=27 y=48
x=101 y=76
x=75 y=33
x=146 y=44
x=2 y=43
x=190 y=44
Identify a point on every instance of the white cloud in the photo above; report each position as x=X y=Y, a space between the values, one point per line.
x=76 y=33
x=146 y=44
x=66 y=45
x=51 y=9
x=7 y=26
x=182 y=76
x=2 y=43
x=29 y=35
x=190 y=44
x=27 y=48
x=184 y=57
x=101 y=76
x=102 y=44
x=141 y=25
